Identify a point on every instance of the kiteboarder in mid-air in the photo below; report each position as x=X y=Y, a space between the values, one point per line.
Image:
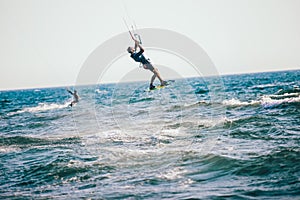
x=139 y=57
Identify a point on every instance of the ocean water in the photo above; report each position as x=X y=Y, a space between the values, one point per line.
x=235 y=137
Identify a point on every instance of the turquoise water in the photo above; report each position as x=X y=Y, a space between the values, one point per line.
x=234 y=136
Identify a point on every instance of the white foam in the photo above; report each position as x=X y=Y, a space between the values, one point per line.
x=172 y=174
x=266 y=100
x=263 y=86
x=101 y=91
x=170 y=131
x=285 y=95
x=42 y=107
x=7 y=149
x=236 y=102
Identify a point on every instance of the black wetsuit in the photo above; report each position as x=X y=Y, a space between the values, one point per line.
x=139 y=57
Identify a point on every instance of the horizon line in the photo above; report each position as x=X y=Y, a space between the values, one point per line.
x=134 y=81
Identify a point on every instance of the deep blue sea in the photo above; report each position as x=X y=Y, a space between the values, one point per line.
x=235 y=137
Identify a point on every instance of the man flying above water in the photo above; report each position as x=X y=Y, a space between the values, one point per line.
x=139 y=57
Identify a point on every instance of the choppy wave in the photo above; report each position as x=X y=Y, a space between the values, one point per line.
x=236 y=102
x=267 y=101
x=275 y=100
x=101 y=91
x=263 y=86
x=42 y=107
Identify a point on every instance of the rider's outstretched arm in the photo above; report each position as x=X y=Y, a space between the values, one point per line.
x=137 y=44
x=69 y=91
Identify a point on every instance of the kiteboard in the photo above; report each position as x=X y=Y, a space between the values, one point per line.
x=159 y=87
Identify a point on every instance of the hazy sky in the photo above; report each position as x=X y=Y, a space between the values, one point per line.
x=45 y=42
